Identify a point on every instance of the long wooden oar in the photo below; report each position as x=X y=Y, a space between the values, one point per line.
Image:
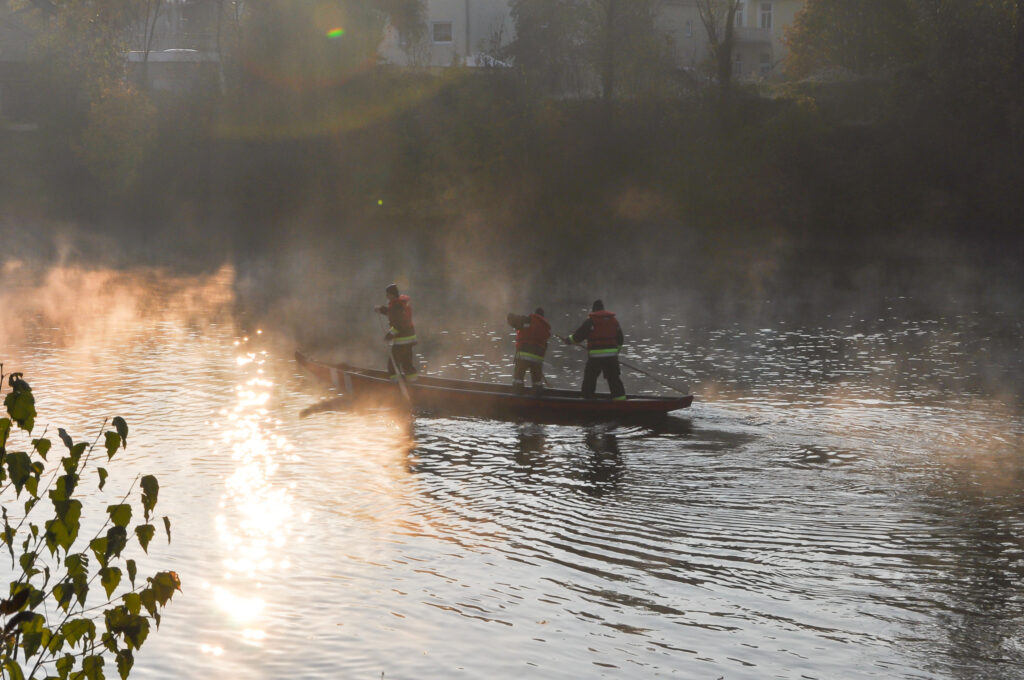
x=628 y=364
x=653 y=376
x=332 y=404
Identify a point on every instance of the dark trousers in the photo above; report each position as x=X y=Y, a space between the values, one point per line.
x=519 y=373
x=402 y=355
x=609 y=366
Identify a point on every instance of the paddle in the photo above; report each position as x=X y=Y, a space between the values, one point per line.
x=628 y=364
x=333 y=404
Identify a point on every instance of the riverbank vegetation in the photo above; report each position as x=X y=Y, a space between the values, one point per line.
x=882 y=142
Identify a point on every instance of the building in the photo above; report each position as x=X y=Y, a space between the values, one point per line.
x=471 y=32
x=760 y=28
x=457 y=33
x=177 y=51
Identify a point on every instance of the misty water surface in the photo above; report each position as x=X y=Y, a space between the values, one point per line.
x=843 y=499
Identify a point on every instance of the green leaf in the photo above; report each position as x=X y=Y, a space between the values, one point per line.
x=21 y=406
x=32 y=486
x=5 y=431
x=92 y=666
x=121 y=621
x=62 y=531
x=110 y=577
x=120 y=514
x=16 y=602
x=164 y=584
x=65 y=437
x=117 y=539
x=63 y=592
x=78 y=449
x=13 y=670
x=20 y=467
x=77 y=564
x=132 y=602
x=103 y=476
x=125 y=660
x=65 y=487
x=167 y=527
x=132 y=570
x=145 y=534
x=27 y=562
x=65 y=664
x=33 y=635
x=75 y=629
x=112 y=441
x=122 y=429
x=150 y=491
x=42 y=446
x=148 y=598
x=99 y=548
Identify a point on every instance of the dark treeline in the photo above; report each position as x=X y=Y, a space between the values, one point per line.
x=917 y=154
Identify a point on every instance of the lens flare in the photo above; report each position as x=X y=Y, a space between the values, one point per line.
x=335 y=33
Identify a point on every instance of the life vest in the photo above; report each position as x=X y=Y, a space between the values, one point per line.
x=603 y=339
x=400 y=316
x=532 y=339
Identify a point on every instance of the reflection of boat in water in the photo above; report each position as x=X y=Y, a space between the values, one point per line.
x=464 y=397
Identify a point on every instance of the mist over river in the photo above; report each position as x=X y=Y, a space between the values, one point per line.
x=843 y=500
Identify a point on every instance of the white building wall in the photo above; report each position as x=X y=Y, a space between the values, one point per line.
x=457 y=32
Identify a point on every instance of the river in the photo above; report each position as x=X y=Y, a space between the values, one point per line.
x=843 y=500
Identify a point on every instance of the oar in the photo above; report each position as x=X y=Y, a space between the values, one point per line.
x=333 y=404
x=628 y=364
x=656 y=378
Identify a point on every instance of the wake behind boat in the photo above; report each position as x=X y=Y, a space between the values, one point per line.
x=442 y=396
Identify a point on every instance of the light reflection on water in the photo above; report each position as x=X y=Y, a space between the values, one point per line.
x=839 y=503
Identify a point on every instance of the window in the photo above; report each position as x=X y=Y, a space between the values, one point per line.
x=739 y=15
x=737 y=66
x=441 y=31
x=766 y=62
x=766 y=16
x=688 y=30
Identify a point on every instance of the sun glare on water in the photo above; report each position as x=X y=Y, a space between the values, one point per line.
x=257 y=516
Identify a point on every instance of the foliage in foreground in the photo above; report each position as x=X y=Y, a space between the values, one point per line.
x=50 y=624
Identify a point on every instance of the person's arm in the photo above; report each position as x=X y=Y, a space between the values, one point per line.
x=621 y=338
x=581 y=333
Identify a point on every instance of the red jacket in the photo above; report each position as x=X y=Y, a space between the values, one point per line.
x=532 y=333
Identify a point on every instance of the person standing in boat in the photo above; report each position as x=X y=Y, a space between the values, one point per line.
x=401 y=335
x=532 y=333
x=604 y=339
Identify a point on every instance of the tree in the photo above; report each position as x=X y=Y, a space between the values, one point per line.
x=719 y=20
x=578 y=47
x=865 y=38
x=53 y=617
x=548 y=49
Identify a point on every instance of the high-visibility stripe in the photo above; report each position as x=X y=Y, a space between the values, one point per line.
x=404 y=340
x=526 y=356
x=622 y=398
x=606 y=352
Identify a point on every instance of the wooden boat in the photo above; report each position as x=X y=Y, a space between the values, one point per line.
x=441 y=396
